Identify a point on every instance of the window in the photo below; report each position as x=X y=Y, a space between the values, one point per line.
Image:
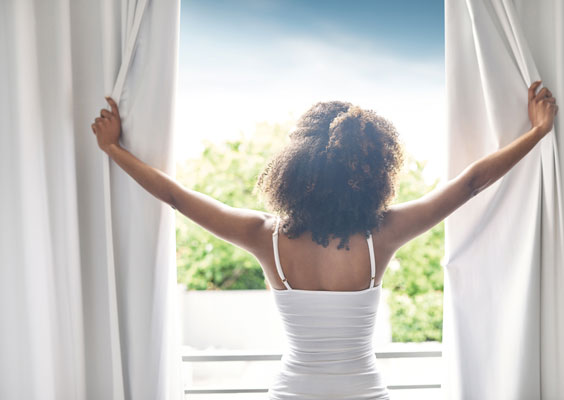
x=248 y=69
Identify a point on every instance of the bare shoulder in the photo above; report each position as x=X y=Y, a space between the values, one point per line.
x=264 y=225
x=407 y=220
x=383 y=237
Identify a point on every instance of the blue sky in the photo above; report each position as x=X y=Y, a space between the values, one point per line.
x=247 y=61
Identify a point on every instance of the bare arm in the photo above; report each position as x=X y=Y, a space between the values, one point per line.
x=241 y=227
x=407 y=220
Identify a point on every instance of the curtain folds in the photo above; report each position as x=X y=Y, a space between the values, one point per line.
x=87 y=302
x=503 y=312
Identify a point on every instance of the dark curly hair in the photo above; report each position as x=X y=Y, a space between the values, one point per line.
x=337 y=175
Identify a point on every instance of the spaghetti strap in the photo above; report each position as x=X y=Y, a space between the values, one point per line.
x=277 y=255
x=372 y=261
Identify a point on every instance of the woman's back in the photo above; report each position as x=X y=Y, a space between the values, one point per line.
x=310 y=266
x=330 y=353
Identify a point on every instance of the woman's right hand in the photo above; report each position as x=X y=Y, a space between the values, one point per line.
x=542 y=108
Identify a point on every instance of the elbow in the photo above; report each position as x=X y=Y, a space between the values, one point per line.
x=472 y=188
x=171 y=201
x=169 y=197
x=477 y=180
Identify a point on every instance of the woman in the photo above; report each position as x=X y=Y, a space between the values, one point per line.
x=325 y=258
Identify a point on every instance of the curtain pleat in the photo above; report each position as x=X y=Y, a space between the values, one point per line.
x=503 y=332
x=63 y=334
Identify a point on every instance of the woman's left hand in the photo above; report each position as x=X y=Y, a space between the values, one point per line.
x=107 y=127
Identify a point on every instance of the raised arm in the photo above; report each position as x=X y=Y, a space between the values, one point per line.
x=405 y=221
x=242 y=227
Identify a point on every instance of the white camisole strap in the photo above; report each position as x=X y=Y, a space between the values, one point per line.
x=372 y=260
x=277 y=255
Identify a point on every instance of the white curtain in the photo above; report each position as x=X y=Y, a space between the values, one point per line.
x=87 y=260
x=504 y=303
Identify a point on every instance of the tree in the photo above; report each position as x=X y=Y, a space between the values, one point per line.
x=228 y=172
x=415 y=275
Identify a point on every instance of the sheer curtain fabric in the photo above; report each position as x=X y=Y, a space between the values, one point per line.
x=87 y=288
x=503 y=309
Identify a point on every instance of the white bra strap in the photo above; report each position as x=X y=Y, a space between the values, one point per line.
x=277 y=256
x=372 y=260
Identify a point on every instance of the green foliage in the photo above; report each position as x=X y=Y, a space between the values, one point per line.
x=228 y=172
x=415 y=275
x=418 y=318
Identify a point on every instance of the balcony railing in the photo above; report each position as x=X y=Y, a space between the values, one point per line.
x=190 y=356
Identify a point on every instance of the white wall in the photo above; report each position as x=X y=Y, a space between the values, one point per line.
x=245 y=319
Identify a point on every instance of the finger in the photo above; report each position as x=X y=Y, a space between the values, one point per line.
x=113 y=105
x=93 y=126
x=541 y=94
x=532 y=89
x=551 y=100
x=98 y=120
x=106 y=114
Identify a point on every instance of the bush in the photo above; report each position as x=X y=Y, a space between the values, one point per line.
x=415 y=276
x=227 y=172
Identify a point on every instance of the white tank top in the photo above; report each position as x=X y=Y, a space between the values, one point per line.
x=329 y=333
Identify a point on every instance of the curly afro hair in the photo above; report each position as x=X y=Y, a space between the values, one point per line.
x=337 y=175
